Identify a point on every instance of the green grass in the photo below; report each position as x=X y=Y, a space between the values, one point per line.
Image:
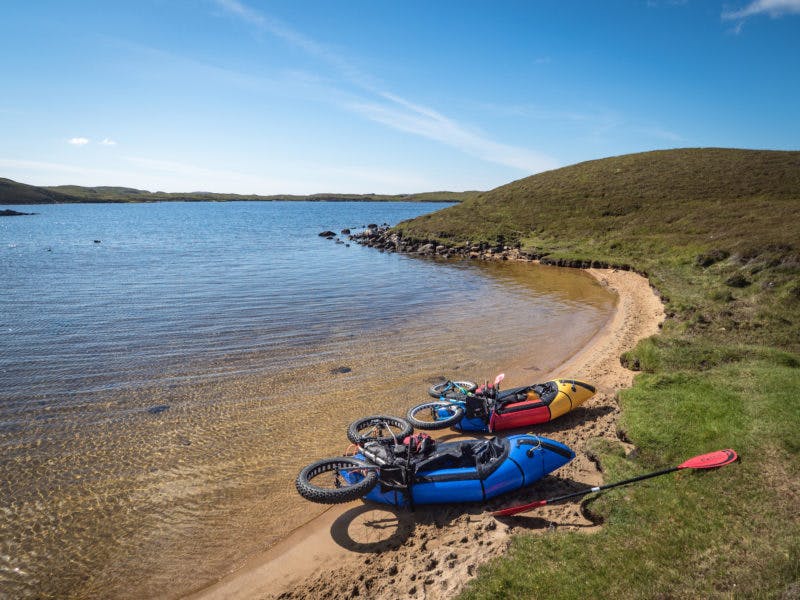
x=732 y=531
x=717 y=232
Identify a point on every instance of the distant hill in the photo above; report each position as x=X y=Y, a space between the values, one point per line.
x=691 y=192
x=12 y=192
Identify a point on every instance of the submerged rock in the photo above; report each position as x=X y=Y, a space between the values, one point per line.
x=327 y=234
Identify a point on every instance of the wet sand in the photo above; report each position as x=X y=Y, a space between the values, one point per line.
x=385 y=553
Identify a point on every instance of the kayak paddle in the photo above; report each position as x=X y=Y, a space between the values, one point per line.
x=719 y=458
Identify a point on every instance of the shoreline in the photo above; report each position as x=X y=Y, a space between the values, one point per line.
x=382 y=552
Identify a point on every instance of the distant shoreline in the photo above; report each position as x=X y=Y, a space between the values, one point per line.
x=165 y=201
x=16 y=193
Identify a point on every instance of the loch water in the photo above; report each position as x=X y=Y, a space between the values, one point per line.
x=166 y=369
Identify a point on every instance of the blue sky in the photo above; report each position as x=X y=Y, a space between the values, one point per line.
x=250 y=96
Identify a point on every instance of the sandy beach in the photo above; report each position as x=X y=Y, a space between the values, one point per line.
x=367 y=551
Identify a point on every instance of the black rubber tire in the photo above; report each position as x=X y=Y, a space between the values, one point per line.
x=335 y=495
x=440 y=389
x=458 y=414
x=356 y=428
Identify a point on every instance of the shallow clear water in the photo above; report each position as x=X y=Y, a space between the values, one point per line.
x=159 y=390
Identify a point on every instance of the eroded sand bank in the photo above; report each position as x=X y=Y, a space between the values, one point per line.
x=373 y=552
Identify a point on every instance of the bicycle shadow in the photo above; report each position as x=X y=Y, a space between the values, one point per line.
x=375 y=528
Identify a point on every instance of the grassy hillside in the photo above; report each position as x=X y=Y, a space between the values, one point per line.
x=718 y=233
x=667 y=189
x=12 y=192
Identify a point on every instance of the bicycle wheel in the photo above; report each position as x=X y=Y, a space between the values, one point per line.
x=336 y=480
x=454 y=390
x=435 y=415
x=379 y=428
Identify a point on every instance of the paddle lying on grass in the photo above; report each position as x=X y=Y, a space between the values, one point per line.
x=719 y=458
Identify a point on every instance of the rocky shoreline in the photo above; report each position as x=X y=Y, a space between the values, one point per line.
x=384 y=238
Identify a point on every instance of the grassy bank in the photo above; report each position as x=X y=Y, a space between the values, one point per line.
x=717 y=232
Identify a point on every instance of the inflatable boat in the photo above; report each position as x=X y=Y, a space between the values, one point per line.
x=488 y=409
x=422 y=471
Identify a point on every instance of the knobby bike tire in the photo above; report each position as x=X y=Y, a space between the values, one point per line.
x=355 y=432
x=458 y=414
x=336 y=495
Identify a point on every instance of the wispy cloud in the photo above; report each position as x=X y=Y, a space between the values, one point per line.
x=773 y=8
x=372 y=102
x=296 y=39
x=402 y=115
x=83 y=141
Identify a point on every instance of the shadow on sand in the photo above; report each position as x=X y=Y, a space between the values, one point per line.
x=376 y=528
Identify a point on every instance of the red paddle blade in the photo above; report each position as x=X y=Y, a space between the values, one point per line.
x=720 y=458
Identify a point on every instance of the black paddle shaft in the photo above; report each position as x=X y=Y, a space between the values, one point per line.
x=711 y=460
x=611 y=485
